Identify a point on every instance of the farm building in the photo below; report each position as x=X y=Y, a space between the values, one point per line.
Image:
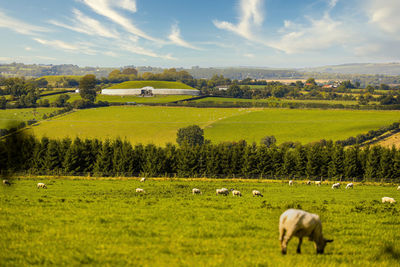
x=148 y=88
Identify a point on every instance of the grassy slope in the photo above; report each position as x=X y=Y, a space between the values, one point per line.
x=115 y=98
x=154 y=84
x=159 y=125
x=156 y=125
x=9 y=115
x=299 y=125
x=273 y=100
x=104 y=222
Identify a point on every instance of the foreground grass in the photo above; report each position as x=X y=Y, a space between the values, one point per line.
x=104 y=222
x=159 y=125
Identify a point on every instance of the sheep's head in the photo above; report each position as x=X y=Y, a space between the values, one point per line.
x=321 y=247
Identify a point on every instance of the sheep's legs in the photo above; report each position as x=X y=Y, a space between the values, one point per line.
x=299 y=245
x=284 y=238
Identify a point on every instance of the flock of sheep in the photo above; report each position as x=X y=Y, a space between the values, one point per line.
x=292 y=222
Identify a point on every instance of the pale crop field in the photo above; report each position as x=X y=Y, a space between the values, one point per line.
x=159 y=125
x=105 y=222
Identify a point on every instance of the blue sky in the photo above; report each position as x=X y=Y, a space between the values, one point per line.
x=207 y=33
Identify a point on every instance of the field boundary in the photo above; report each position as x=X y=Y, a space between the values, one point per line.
x=182 y=179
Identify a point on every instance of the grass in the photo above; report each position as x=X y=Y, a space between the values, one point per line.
x=104 y=222
x=273 y=100
x=115 y=98
x=154 y=84
x=159 y=125
x=8 y=116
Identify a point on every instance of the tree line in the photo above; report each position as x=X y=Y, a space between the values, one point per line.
x=319 y=160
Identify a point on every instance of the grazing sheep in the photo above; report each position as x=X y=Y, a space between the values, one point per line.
x=196 y=191
x=308 y=182
x=291 y=182
x=388 y=200
x=41 y=185
x=398 y=188
x=222 y=191
x=257 y=193
x=143 y=179
x=350 y=185
x=6 y=182
x=139 y=190
x=318 y=183
x=300 y=223
x=236 y=193
x=336 y=186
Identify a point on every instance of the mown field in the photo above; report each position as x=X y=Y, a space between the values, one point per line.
x=273 y=100
x=104 y=222
x=8 y=117
x=159 y=125
x=115 y=98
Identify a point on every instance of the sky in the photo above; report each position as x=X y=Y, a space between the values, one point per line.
x=206 y=33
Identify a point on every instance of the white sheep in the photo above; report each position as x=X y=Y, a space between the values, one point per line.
x=318 y=183
x=236 y=193
x=398 y=188
x=308 y=182
x=41 y=185
x=222 y=191
x=388 y=200
x=6 y=182
x=336 y=186
x=257 y=193
x=300 y=223
x=196 y=191
x=291 y=182
x=139 y=190
x=143 y=179
x=350 y=185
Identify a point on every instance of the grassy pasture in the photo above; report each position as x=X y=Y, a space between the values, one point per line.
x=8 y=116
x=154 y=84
x=116 y=98
x=104 y=222
x=159 y=125
x=273 y=100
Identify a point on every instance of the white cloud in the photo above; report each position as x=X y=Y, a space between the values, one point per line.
x=143 y=51
x=250 y=16
x=110 y=54
x=87 y=25
x=28 y=48
x=176 y=38
x=19 y=26
x=332 y=3
x=106 y=9
x=319 y=35
x=58 y=44
x=385 y=14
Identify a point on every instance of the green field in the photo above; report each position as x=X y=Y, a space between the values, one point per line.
x=105 y=223
x=8 y=116
x=158 y=125
x=116 y=98
x=273 y=100
x=154 y=84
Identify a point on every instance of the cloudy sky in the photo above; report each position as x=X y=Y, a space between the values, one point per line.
x=207 y=33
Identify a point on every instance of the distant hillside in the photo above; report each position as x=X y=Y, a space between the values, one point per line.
x=154 y=84
x=367 y=68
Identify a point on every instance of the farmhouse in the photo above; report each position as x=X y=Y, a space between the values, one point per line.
x=149 y=88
